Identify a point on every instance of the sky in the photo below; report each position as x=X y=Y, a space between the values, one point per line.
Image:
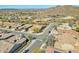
x=25 y=6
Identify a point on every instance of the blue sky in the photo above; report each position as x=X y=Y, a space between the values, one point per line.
x=25 y=6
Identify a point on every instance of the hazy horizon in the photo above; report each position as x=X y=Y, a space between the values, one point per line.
x=29 y=6
x=25 y=6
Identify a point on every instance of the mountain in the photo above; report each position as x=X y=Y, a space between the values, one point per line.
x=65 y=10
x=58 y=10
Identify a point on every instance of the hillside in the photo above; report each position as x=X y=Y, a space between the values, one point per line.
x=63 y=10
x=58 y=10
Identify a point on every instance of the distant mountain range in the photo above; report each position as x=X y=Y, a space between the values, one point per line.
x=63 y=10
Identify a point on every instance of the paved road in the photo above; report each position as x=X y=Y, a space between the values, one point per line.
x=39 y=35
x=19 y=32
x=35 y=44
x=40 y=39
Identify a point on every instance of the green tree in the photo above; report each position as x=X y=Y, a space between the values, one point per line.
x=36 y=30
x=3 y=22
x=54 y=42
x=30 y=38
x=77 y=28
